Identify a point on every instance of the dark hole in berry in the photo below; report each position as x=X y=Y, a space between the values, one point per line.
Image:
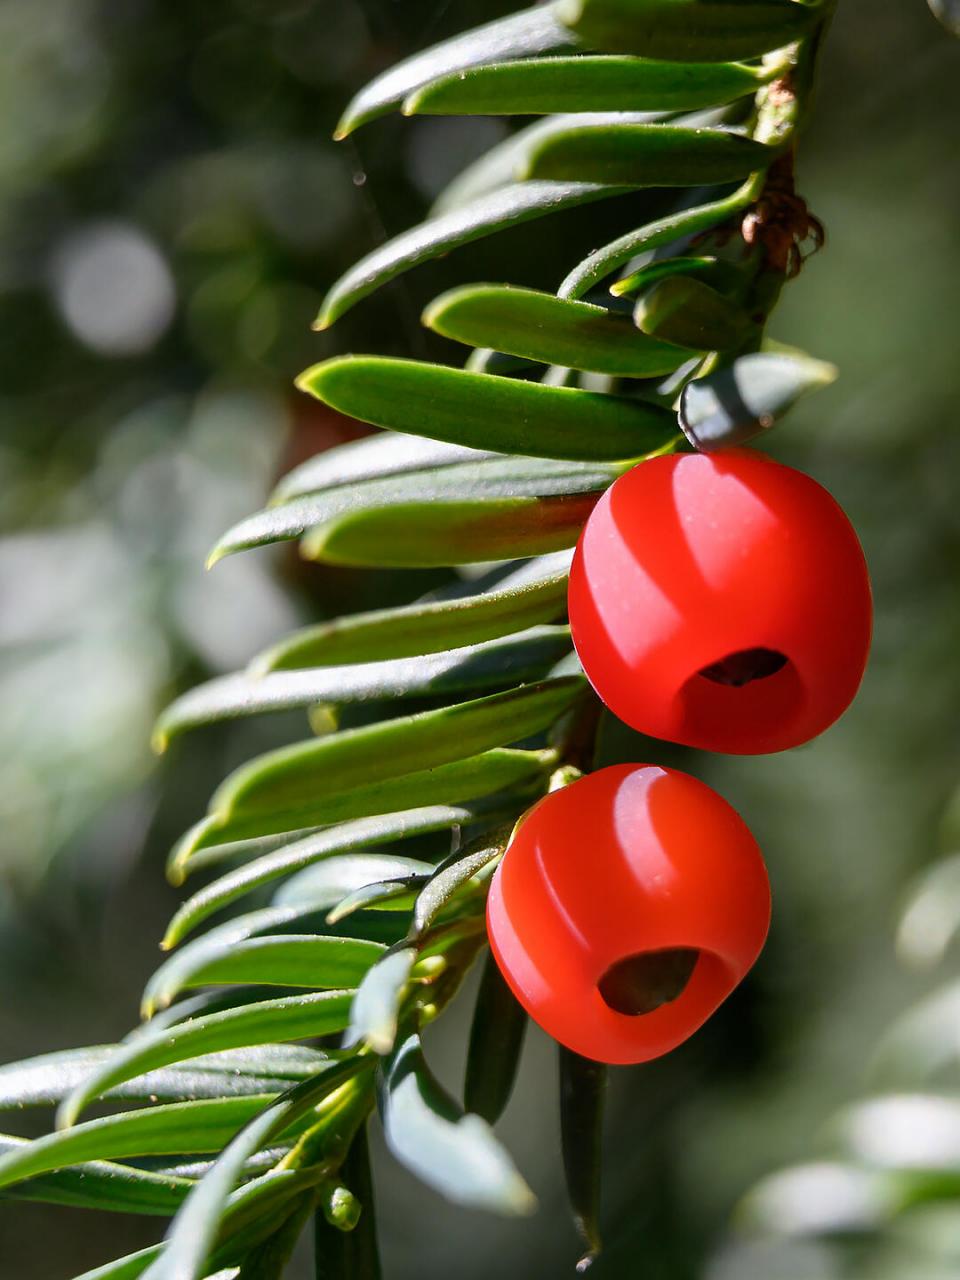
x=740 y=668
x=641 y=983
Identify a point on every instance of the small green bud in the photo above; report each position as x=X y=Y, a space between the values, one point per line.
x=341 y=1208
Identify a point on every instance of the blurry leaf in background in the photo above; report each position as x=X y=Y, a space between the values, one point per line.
x=110 y=596
x=55 y=74
x=948 y=13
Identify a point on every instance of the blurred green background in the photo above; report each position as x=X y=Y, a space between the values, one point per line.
x=171 y=209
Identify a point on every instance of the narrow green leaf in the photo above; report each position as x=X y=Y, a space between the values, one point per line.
x=305 y=853
x=493 y=170
x=210 y=1207
x=455 y=874
x=372 y=458
x=489 y=412
x=304 y=918
x=291 y=960
x=350 y=1255
x=204 y=1002
x=173 y=1129
x=582 y=1087
x=682 y=309
x=456 y=1154
x=289 y=1018
x=472 y=778
x=330 y=882
x=748 y=396
x=538 y=86
x=376 y=1005
x=253 y=1212
x=268 y=1260
x=198 y=1167
x=49 y=1078
x=458 y=782
x=519 y=35
x=496 y=1041
x=539 y=326
x=498 y=167
x=487 y=665
x=99 y=1184
x=708 y=30
x=675 y=226
x=424 y=535
x=395 y=893
x=234 y=851
x=718 y=272
x=130 y=1266
x=483 y=481
x=176 y=973
x=497 y=211
x=648 y=155
x=250 y=1217
x=321 y=772
x=264 y=1196
x=568 y=666
x=535 y=593
x=126 y=1268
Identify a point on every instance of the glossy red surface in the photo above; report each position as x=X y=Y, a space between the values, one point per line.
x=629 y=860
x=691 y=558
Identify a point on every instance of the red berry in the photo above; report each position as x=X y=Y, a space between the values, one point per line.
x=721 y=600
x=634 y=888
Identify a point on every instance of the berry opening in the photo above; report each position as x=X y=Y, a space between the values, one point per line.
x=745 y=666
x=743 y=701
x=646 y=981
